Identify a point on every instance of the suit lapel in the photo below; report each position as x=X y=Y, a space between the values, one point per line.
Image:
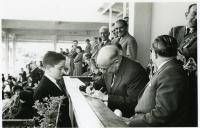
x=154 y=77
x=109 y=81
x=116 y=82
x=118 y=76
x=123 y=40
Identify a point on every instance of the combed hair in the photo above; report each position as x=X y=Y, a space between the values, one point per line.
x=123 y=22
x=52 y=58
x=165 y=46
x=190 y=6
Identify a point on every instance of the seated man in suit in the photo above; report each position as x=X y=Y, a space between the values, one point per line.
x=165 y=101
x=186 y=36
x=123 y=79
x=50 y=87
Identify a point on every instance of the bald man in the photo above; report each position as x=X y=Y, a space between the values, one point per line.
x=123 y=78
x=104 y=34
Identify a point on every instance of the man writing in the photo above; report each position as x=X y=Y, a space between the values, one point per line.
x=123 y=79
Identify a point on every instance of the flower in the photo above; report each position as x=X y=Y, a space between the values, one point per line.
x=48 y=110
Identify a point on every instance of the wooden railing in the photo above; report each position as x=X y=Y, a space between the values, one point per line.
x=18 y=123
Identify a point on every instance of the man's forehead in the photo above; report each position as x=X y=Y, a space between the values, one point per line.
x=103 y=31
x=118 y=24
x=193 y=8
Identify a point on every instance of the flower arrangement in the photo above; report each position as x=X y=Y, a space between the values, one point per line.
x=48 y=111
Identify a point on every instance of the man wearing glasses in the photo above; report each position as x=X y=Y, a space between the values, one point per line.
x=123 y=78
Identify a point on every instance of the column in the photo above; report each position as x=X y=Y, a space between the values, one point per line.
x=131 y=17
x=7 y=53
x=140 y=19
x=124 y=9
x=14 y=53
x=110 y=19
x=55 y=42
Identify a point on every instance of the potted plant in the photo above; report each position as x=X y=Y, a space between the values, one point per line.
x=48 y=111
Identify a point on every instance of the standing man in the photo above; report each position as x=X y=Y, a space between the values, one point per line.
x=165 y=101
x=123 y=78
x=50 y=86
x=186 y=36
x=187 y=47
x=104 y=34
x=88 y=47
x=128 y=42
x=35 y=74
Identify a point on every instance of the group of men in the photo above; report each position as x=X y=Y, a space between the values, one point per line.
x=164 y=100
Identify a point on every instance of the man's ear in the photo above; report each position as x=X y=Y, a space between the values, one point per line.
x=186 y=14
x=48 y=67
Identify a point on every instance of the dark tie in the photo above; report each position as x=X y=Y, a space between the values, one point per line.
x=58 y=82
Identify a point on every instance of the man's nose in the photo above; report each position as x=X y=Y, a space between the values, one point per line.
x=63 y=72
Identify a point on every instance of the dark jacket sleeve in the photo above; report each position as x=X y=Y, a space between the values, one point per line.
x=127 y=103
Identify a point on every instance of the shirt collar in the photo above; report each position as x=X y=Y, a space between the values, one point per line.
x=163 y=63
x=52 y=80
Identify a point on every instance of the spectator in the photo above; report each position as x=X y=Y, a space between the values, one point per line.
x=26 y=110
x=104 y=34
x=88 y=47
x=78 y=62
x=186 y=36
x=128 y=42
x=35 y=74
x=3 y=78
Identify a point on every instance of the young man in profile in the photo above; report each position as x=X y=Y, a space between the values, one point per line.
x=50 y=87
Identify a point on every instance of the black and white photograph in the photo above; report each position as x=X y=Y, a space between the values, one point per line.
x=99 y=63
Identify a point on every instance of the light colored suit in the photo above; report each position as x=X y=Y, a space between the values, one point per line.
x=129 y=46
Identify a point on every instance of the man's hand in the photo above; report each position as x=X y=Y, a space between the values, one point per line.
x=100 y=95
x=126 y=120
x=90 y=90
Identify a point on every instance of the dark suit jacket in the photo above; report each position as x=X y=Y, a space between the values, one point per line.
x=129 y=81
x=129 y=46
x=187 y=42
x=47 y=88
x=165 y=99
x=36 y=75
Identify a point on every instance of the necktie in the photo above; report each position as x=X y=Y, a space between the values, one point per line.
x=59 y=84
x=113 y=81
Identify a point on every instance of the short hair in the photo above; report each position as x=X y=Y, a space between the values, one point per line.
x=17 y=87
x=106 y=28
x=52 y=58
x=88 y=55
x=190 y=6
x=87 y=40
x=123 y=22
x=79 y=47
x=8 y=94
x=165 y=46
x=75 y=41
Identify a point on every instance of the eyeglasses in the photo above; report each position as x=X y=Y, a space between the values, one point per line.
x=151 y=50
x=106 y=69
